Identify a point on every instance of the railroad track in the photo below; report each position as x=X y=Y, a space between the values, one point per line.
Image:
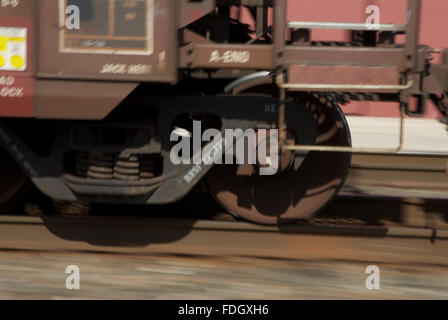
x=130 y=234
x=358 y=213
x=154 y=258
x=404 y=175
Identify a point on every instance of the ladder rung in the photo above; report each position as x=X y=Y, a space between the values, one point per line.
x=346 y=26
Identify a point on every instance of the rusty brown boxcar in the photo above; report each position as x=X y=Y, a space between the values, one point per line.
x=93 y=91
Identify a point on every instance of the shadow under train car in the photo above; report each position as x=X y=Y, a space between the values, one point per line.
x=119 y=232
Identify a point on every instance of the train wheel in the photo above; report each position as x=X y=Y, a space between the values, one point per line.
x=295 y=193
x=12 y=180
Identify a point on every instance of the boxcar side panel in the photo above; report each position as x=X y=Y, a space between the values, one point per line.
x=17 y=65
x=108 y=40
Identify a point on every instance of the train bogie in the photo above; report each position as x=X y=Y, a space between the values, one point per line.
x=96 y=94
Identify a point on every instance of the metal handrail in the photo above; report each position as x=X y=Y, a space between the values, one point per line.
x=349 y=87
x=346 y=26
x=356 y=150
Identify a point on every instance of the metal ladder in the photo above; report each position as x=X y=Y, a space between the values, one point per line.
x=388 y=69
x=379 y=68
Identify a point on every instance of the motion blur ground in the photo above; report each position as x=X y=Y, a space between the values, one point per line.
x=40 y=275
x=154 y=258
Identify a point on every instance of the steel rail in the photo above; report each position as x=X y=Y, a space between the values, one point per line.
x=231 y=226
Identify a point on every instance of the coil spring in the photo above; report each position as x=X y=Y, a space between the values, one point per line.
x=95 y=166
x=108 y=166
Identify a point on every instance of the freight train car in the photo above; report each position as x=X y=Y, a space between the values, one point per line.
x=96 y=94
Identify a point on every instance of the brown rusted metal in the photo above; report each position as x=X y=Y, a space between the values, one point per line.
x=137 y=53
x=92 y=100
x=279 y=31
x=262 y=20
x=437 y=81
x=84 y=55
x=344 y=87
x=412 y=33
x=354 y=75
x=17 y=87
x=351 y=56
x=343 y=75
x=227 y=56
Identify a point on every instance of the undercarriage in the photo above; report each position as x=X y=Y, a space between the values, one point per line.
x=98 y=112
